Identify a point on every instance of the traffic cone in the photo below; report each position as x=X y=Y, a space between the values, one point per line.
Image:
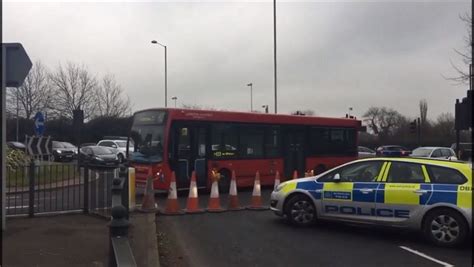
x=295 y=174
x=148 y=201
x=172 y=205
x=277 y=180
x=257 y=195
x=214 y=204
x=192 y=205
x=233 y=199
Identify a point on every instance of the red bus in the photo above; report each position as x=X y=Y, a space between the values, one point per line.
x=185 y=140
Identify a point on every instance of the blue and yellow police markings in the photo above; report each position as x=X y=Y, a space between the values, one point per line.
x=338 y=191
x=464 y=197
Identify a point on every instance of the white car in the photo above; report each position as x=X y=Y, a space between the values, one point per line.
x=434 y=152
x=365 y=152
x=120 y=147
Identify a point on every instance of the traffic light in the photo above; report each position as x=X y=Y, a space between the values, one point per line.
x=413 y=126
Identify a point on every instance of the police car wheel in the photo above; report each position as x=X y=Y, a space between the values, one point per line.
x=445 y=228
x=300 y=210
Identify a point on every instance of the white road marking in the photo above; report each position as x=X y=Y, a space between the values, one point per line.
x=426 y=256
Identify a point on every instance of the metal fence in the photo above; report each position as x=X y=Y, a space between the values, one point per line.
x=44 y=187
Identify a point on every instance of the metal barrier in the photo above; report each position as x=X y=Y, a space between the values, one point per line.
x=120 y=253
x=44 y=187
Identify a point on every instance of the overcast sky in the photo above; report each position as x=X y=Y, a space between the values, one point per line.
x=331 y=56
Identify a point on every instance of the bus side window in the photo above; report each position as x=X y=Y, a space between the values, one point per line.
x=272 y=142
x=184 y=147
x=224 y=140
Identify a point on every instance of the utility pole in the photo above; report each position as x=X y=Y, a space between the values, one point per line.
x=419 y=131
x=251 y=96
x=275 y=53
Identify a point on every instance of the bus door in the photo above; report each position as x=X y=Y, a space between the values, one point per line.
x=191 y=150
x=293 y=148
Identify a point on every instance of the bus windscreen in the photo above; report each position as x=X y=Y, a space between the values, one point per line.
x=148 y=135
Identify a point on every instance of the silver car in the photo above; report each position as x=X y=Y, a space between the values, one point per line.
x=434 y=152
x=434 y=196
x=365 y=152
x=120 y=147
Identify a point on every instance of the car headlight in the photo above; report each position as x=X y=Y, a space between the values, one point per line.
x=59 y=151
x=97 y=158
x=279 y=187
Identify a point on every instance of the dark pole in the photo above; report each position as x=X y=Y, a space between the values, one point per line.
x=17 y=114
x=419 y=131
x=275 y=54
x=166 y=79
x=472 y=48
x=457 y=126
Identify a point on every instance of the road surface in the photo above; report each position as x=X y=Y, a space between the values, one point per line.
x=259 y=238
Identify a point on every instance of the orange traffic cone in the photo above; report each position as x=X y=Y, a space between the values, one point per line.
x=233 y=199
x=148 y=201
x=257 y=195
x=192 y=206
x=214 y=204
x=295 y=174
x=277 y=180
x=172 y=205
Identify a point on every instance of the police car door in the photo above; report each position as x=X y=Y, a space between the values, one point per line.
x=349 y=192
x=403 y=193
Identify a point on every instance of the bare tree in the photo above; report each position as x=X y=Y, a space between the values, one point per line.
x=74 y=88
x=111 y=101
x=423 y=112
x=382 y=121
x=462 y=73
x=444 y=125
x=34 y=95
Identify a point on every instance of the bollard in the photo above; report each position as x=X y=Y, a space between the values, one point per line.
x=131 y=189
x=118 y=227
x=123 y=174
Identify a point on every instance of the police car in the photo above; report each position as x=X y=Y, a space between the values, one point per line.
x=434 y=196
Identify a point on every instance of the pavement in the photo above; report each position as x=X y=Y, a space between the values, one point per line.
x=259 y=238
x=65 y=240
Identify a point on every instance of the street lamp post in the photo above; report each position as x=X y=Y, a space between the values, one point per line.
x=166 y=72
x=275 y=54
x=251 y=96
x=174 y=98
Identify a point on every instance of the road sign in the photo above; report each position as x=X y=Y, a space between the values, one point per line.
x=18 y=64
x=38 y=145
x=39 y=124
x=15 y=67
